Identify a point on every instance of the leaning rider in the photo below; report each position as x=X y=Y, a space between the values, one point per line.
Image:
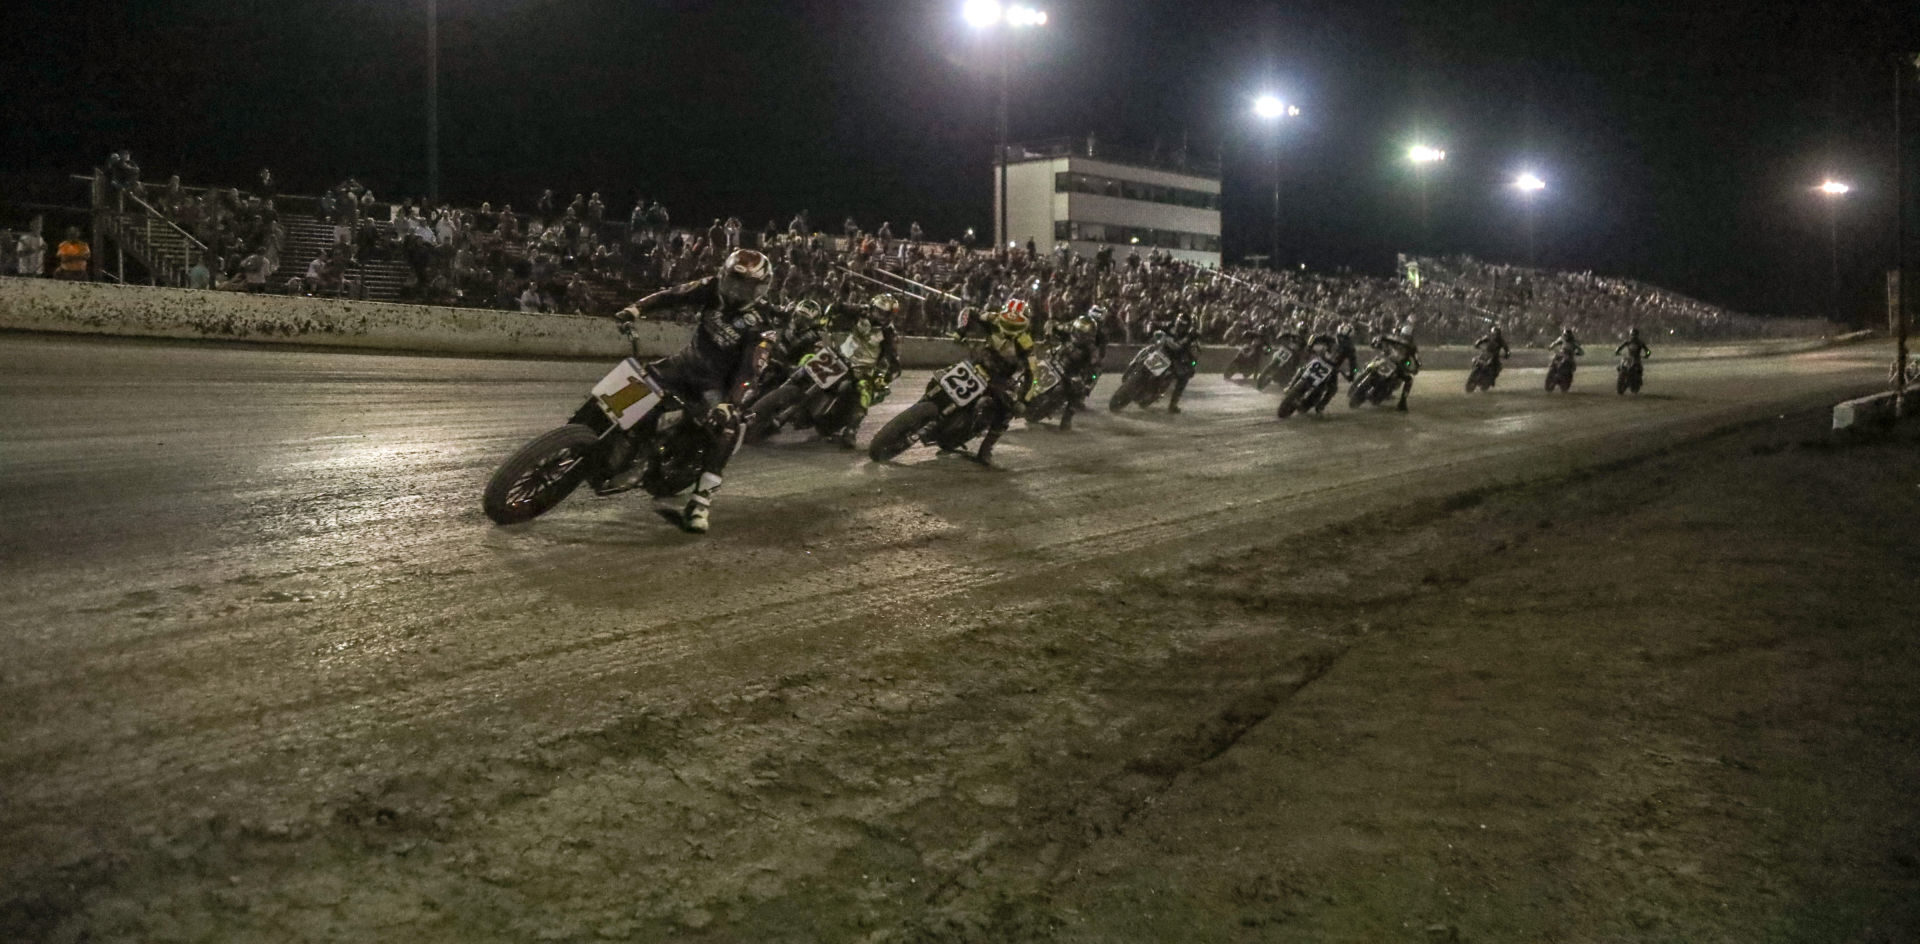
x=1567 y=342
x=1496 y=347
x=1078 y=344
x=715 y=369
x=1633 y=347
x=1399 y=348
x=872 y=350
x=1345 y=360
x=1182 y=343
x=1004 y=349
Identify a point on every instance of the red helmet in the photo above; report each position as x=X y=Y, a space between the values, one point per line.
x=1013 y=318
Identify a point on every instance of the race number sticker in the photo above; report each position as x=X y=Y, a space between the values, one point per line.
x=1318 y=371
x=627 y=394
x=963 y=384
x=1157 y=362
x=826 y=369
x=1049 y=379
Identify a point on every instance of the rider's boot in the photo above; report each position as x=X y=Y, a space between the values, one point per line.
x=985 y=455
x=694 y=519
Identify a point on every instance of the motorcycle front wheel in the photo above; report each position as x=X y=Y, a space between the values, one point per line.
x=894 y=438
x=539 y=476
x=766 y=413
x=1124 y=395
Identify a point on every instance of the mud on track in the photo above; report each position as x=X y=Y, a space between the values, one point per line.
x=274 y=676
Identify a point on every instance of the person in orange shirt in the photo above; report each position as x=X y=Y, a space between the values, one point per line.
x=74 y=254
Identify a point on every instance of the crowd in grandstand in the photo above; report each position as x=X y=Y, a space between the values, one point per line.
x=575 y=257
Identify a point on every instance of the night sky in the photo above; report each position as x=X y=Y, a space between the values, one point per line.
x=1679 y=140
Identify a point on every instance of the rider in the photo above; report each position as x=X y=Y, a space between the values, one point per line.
x=1633 y=346
x=1004 y=343
x=1344 y=357
x=1567 y=342
x=708 y=371
x=1182 y=342
x=1496 y=347
x=872 y=349
x=1398 y=346
x=1078 y=344
x=805 y=330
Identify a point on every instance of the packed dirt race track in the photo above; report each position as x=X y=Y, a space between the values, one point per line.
x=1506 y=667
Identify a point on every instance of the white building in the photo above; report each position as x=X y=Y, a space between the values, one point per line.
x=1090 y=195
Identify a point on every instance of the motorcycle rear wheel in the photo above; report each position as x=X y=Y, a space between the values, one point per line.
x=894 y=438
x=540 y=475
x=1289 y=404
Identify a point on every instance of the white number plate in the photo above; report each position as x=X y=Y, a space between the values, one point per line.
x=1156 y=362
x=1318 y=371
x=627 y=394
x=1385 y=369
x=963 y=384
x=826 y=369
x=1049 y=379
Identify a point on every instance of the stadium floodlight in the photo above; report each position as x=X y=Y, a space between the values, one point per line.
x=981 y=14
x=1834 y=188
x=1270 y=107
x=1422 y=154
x=1529 y=182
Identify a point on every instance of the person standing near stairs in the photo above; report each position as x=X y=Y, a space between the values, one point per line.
x=30 y=250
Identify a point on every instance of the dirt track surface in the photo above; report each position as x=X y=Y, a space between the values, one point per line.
x=270 y=675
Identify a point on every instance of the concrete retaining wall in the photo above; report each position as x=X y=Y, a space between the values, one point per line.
x=138 y=311
x=1874 y=412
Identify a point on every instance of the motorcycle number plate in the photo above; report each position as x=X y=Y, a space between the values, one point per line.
x=826 y=369
x=1385 y=369
x=963 y=384
x=627 y=394
x=1318 y=371
x=1049 y=379
x=1157 y=363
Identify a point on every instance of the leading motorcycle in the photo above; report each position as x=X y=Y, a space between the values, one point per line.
x=1310 y=382
x=1631 y=371
x=1147 y=376
x=948 y=415
x=1382 y=376
x=630 y=418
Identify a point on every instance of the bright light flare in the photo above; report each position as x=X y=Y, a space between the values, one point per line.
x=1422 y=154
x=1026 y=16
x=1268 y=106
x=1529 y=183
x=981 y=14
x=1833 y=188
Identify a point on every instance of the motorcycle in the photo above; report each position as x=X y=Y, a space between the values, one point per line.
x=1281 y=364
x=1379 y=380
x=1051 y=389
x=1146 y=378
x=1247 y=360
x=1483 y=373
x=951 y=412
x=822 y=394
x=629 y=418
x=1560 y=371
x=1309 y=383
x=1631 y=372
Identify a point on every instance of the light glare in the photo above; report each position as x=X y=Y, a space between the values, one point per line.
x=1422 y=154
x=1833 y=188
x=1026 y=16
x=981 y=14
x=1267 y=106
x=1529 y=182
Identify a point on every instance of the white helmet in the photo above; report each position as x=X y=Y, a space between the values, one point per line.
x=745 y=276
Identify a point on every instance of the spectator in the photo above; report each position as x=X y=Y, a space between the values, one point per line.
x=543 y=207
x=732 y=229
x=851 y=229
x=915 y=234
x=74 y=255
x=30 y=250
x=798 y=227
x=199 y=277
x=596 y=212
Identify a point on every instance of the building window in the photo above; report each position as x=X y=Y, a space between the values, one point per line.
x=1068 y=182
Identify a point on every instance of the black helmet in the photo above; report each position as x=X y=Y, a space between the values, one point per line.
x=1345 y=330
x=1183 y=323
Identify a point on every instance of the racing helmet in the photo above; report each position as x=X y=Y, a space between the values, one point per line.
x=1345 y=330
x=809 y=312
x=885 y=305
x=1083 y=328
x=1182 y=323
x=1300 y=327
x=1012 y=319
x=1097 y=312
x=745 y=276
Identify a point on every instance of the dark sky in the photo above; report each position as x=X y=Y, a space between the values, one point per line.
x=1679 y=139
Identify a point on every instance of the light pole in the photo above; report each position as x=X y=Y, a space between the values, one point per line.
x=1833 y=190
x=1423 y=157
x=1271 y=109
x=433 y=101
x=985 y=15
x=1529 y=184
